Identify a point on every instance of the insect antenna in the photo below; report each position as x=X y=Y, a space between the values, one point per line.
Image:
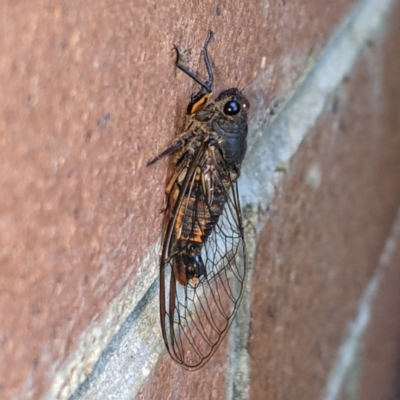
x=247 y=85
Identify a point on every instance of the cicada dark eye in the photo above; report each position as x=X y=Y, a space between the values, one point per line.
x=231 y=107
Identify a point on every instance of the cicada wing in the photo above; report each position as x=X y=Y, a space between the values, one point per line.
x=196 y=316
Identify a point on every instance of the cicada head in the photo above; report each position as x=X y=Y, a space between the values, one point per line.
x=230 y=125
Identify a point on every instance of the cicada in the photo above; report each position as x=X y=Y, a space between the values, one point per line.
x=203 y=258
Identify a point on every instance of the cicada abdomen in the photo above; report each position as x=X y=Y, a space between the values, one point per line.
x=203 y=263
x=197 y=215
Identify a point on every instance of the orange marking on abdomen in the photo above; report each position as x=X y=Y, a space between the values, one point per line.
x=188 y=229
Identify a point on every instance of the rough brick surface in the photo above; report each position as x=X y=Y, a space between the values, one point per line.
x=376 y=371
x=90 y=93
x=325 y=232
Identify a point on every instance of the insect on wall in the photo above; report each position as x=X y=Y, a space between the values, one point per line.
x=203 y=258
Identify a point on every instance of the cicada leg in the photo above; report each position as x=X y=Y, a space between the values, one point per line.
x=200 y=99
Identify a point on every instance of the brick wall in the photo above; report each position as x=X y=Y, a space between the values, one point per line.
x=90 y=94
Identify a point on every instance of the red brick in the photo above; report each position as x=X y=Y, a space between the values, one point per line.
x=376 y=373
x=322 y=241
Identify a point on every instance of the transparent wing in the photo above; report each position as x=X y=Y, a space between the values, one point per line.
x=196 y=316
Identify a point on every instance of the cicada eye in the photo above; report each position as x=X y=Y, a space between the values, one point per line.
x=231 y=107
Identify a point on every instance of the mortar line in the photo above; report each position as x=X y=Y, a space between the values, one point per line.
x=349 y=347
